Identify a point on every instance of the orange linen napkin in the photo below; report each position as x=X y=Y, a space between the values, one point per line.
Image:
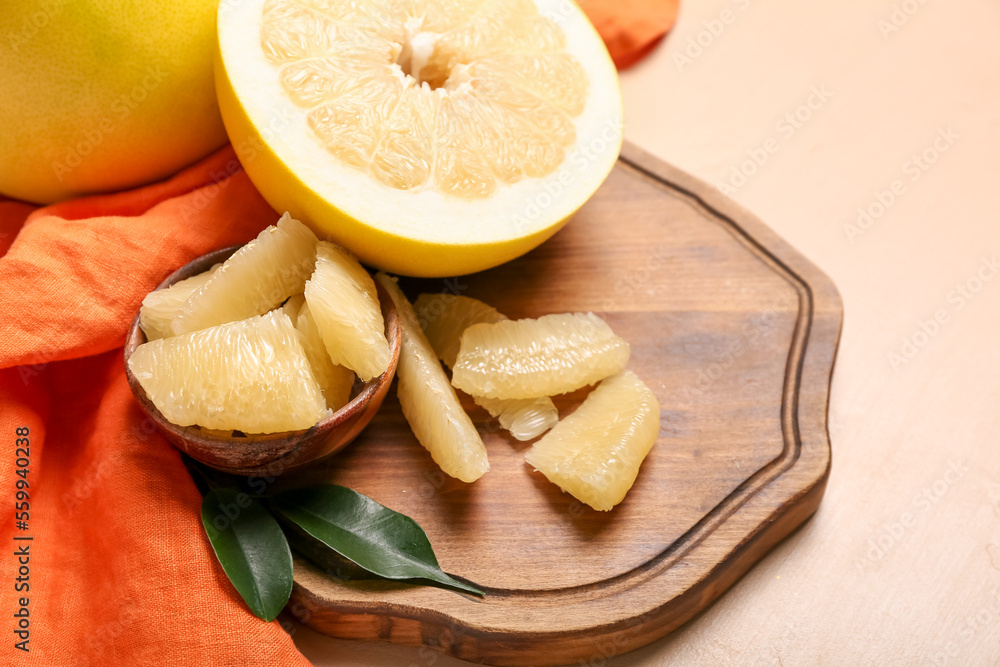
x=117 y=569
x=631 y=28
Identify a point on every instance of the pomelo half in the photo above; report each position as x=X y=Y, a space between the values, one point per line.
x=430 y=137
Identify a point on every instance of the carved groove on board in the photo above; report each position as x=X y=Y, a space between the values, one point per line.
x=654 y=597
x=753 y=484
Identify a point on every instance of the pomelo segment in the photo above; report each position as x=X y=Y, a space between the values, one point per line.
x=161 y=306
x=595 y=453
x=335 y=380
x=293 y=306
x=342 y=301
x=430 y=137
x=368 y=76
x=444 y=317
x=256 y=279
x=524 y=418
x=429 y=402
x=553 y=354
x=251 y=375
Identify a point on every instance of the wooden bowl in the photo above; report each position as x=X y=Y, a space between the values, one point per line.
x=270 y=454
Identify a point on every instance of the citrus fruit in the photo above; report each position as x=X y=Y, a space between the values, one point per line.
x=161 y=306
x=444 y=317
x=428 y=400
x=256 y=279
x=524 y=418
x=293 y=306
x=342 y=301
x=431 y=137
x=335 y=381
x=594 y=454
x=251 y=375
x=101 y=95
x=553 y=354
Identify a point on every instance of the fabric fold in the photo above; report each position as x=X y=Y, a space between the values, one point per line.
x=76 y=272
x=119 y=571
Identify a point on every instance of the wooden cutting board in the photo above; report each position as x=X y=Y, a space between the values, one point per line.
x=734 y=332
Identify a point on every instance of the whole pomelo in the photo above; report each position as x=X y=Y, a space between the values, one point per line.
x=102 y=95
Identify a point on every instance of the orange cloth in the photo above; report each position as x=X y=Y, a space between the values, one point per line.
x=118 y=569
x=631 y=28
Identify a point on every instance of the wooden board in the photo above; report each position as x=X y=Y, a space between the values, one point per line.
x=734 y=332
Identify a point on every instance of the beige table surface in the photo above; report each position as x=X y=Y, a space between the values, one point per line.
x=901 y=565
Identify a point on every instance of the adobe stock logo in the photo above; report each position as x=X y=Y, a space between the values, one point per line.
x=899 y=17
x=712 y=29
x=786 y=128
x=913 y=168
x=559 y=182
x=957 y=298
x=892 y=532
x=90 y=138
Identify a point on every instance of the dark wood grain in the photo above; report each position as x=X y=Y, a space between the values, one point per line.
x=734 y=332
x=269 y=454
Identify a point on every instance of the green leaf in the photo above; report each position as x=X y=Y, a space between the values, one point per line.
x=375 y=537
x=251 y=548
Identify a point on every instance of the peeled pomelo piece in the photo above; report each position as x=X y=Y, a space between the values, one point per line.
x=251 y=375
x=428 y=400
x=444 y=317
x=594 y=454
x=293 y=306
x=524 y=418
x=335 y=380
x=256 y=279
x=430 y=137
x=344 y=304
x=161 y=306
x=553 y=354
